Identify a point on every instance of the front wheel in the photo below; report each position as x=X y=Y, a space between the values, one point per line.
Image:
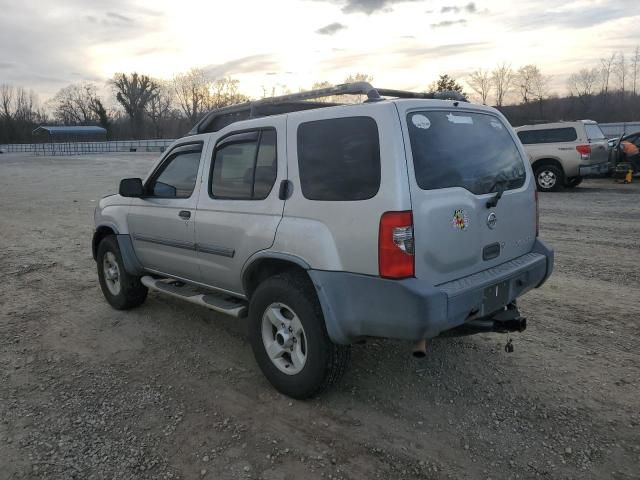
x=549 y=178
x=121 y=290
x=289 y=338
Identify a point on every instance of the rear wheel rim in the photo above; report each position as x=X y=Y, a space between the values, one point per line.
x=547 y=178
x=111 y=273
x=284 y=339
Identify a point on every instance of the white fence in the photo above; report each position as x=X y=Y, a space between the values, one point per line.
x=611 y=130
x=82 y=148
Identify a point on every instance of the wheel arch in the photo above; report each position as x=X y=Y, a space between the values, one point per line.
x=101 y=232
x=541 y=162
x=267 y=264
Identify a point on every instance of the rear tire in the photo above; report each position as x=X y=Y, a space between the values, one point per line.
x=549 y=178
x=121 y=290
x=285 y=307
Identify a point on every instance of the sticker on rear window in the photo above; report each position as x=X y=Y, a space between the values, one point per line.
x=459 y=119
x=421 y=121
x=460 y=220
x=496 y=125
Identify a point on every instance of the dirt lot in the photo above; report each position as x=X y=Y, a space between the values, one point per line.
x=172 y=391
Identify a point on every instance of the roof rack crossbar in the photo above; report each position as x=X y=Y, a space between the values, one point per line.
x=298 y=101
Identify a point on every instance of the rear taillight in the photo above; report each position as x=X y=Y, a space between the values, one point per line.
x=396 y=245
x=584 y=151
x=537 y=214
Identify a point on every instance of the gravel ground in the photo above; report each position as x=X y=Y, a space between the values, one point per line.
x=170 y=390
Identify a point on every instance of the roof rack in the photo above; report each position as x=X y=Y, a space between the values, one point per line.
x=221 y=117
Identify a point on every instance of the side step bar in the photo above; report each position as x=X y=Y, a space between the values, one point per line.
x=215 y=301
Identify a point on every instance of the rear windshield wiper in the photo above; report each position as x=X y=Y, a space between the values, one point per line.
x=500 y=186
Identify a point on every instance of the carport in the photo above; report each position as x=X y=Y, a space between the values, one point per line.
x=69 y=140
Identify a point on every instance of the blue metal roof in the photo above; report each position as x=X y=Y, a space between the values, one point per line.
x=82 y=130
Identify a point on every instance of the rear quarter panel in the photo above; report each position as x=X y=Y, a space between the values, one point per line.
x=343 y=235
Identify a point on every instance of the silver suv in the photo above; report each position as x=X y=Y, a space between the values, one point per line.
x=325 y=224
x=563 y=153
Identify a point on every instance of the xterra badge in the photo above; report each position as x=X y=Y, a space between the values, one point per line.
x=460 y=219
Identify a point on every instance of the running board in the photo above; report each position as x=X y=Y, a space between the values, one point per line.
x=215 y=301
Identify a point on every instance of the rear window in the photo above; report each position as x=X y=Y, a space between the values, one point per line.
x=593 y=131
x=469 y=150
x=339 y=159
x=548 y=135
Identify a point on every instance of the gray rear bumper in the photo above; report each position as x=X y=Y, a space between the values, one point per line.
x=597 y=169
x=359 y=305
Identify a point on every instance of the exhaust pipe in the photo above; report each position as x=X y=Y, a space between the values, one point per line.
x=420 y=349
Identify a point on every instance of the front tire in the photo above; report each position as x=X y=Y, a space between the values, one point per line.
x=289 y=338
x=121 y=290
x=549 y=178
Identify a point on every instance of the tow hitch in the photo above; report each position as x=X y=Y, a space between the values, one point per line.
x=504 y=321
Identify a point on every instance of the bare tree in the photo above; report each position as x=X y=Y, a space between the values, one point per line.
x=6 y=101
x=161 y=107
x=25 y=105
x=635 y=66
x=134 y=91
x=606 y=65
x=193 y=93
x=224 y=92
x=75 y=104
x=620 y=70
x=529 y=78
x=275 y=90
x=103 y=117
x=480 y=82
x=584 y=82
x=502 y=78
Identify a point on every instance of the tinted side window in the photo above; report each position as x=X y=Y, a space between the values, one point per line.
x=339 y=159
x=548 y=135
x=594 y=132
x=177 y=178
x=244 y=166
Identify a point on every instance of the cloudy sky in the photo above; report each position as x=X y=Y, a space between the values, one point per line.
x=403 y=44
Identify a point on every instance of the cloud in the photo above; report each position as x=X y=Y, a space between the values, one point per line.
x=410 y=56
x=48 y=51
x=250 y=64
x=449 y=23
x=469 y=8
x=575 y=16
x=120 y=17
x=331 y=29
x=366 y=6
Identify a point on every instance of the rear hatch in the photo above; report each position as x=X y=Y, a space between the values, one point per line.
x=459 y=158
x=599 y=146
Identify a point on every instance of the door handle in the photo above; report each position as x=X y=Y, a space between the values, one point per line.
x=185 y=214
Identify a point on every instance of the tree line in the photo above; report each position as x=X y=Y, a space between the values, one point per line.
x=140 y=106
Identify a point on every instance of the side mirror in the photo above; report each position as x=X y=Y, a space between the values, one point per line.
x=131 y=187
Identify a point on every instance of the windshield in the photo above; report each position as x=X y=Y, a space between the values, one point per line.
x=593 y=131
x=469 y=150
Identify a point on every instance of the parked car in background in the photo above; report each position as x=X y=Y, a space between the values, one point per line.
x=563 y=153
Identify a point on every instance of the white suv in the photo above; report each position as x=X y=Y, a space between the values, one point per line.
x=324 y=224
x=562 y=153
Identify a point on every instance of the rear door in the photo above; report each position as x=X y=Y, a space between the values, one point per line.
x=239 y=207
x=459 y=159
